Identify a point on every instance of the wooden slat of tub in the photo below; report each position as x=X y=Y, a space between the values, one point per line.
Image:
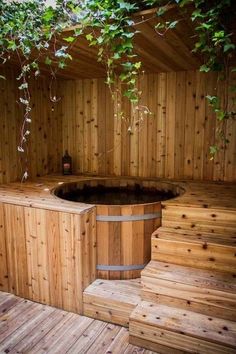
x=126 y=241
x=102 y=239
x=114 y=241
x=137 y=240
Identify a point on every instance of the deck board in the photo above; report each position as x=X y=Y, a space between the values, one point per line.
x=37 y=193
x=26 y=326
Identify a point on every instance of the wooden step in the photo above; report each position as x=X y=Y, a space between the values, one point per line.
x=202 y=218
x=204 y=291
x=112 y=300
x=194 y=249
x=170 y=330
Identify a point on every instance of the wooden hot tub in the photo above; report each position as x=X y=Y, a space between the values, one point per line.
x=125 y=220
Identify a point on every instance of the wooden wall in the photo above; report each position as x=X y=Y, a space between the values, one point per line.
x=45 y=141
x=173 y=142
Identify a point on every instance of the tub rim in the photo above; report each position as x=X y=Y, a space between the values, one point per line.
x=137 y=179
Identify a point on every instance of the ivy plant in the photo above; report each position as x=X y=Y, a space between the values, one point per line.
x=29 y=33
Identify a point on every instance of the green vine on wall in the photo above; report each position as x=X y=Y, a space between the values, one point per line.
x=30 y=31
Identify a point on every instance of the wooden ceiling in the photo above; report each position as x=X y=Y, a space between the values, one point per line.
x=157 y=52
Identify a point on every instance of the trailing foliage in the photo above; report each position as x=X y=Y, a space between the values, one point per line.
x=29 y=33
x=215 y=40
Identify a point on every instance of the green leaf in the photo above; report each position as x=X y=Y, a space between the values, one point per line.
x=161 y=11
x=213 y=150
x=89 y=37
x=2 y=77
x=69 y=39
x=78 y=31
x=204 y=68
x=48 y=61
x=220 y=115
x=48 y=15
x=229 y=47
x=61 y=64
x=172 y=24
x=138 y=65
x=116 y=56
x=12 y=45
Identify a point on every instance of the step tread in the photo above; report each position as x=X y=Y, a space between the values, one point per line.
x=194 y=236
x=127 y=291
x=112 y=300
x=199 y=278
x=187 y=323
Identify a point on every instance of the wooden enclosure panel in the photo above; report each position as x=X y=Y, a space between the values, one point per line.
x=47 y=256
x=112 y=137
x=16 y=250
x=45 y=139
x=3 y=252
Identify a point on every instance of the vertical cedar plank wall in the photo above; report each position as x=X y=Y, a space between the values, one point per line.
x=172 y=143
x=45 y=141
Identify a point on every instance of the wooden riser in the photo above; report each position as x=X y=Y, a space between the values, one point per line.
x=201 y=219
x=194 y=249
x=112 y=300
x=203 y=291
x=171 y=330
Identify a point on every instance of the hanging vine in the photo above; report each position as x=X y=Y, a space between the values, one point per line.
x=30 y=32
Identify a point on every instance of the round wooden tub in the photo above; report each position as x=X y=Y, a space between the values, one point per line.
x=123 y=231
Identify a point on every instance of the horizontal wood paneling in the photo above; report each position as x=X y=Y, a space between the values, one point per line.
x=44 y=144
x=172 y=142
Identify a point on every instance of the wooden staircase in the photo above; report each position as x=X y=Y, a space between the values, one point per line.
x=189 y=287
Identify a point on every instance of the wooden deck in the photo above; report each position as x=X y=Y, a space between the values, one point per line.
x=37 y=193
x=50 y=258
x=29 y=327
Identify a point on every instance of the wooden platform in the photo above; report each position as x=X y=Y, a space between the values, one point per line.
x=173 y=330
x=30 y=327
x=37 y=193
x=192 y=270
x=112 y=300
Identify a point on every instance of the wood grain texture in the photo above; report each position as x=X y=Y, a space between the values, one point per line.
x=172 y=142
x=28 y=327
x=50 y=255
x=45 y=142
x=182 y=330
x=111 y=137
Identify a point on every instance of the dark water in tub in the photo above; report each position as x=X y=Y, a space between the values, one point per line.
x=116 y=195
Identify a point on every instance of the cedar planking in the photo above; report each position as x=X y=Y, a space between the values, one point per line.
x=172 y=142
x=50 y=258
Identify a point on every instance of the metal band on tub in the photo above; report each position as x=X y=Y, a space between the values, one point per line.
x=128 y=217
x=120 y=268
